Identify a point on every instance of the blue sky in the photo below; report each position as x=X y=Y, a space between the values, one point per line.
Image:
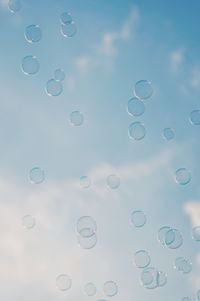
x=117 y=43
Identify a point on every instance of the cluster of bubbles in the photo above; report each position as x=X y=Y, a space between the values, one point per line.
x=136 y=107
x=54 y=86
x=68 y=26
x=170 y=237
x=110 y=289
x=86 y=229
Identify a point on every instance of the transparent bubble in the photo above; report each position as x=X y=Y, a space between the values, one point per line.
x=54 y=87
x=161 y=234
x=161 y=278
x=138 y=218
x=143 y=89
x=135 y=107
x=110 y=288
x=30 y=65
x=86 y=242
x=173 y=239
x=195 y=117
x=76 y=118
x=186 y=299
x=196 y=233
x=65 y=18
x=63 y=282
x=59 y=75
x=85 y=182
x=113 y=181
x=14 y=5
x=183 y=265
x=168 y=134
x=149 y=278
x=90 y=289
x=198 y=295
x=36 y=175
x=137 y=130
x=69 y=30
x=86 y=226
x=28 y=221
x=33 y=33
x=183 y=176
x=142 y=259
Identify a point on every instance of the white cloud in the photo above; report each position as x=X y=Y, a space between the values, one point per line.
x=176 y=59
x=192 y=209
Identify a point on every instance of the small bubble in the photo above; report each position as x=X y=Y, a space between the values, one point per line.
x=195 y=117
x=28 y=221
x=110 y=288
x=76 y=118
x=143 y=89
x=149 y=278
x=36 y=175
x=54 y=87
x=14 y=5
x=59 y=75
x=30 y=65
x=85 y=182
x=168 y=134
x=135 y=107
x=87 y=242
x=142 y=259
x=65 y=18
x=86 y=226
x=69 y=30
x=33 y=33
x=63 y=282
x=137 y=131
x=138 y=218
x=90 y=289
x=196 y=233
x=183 y=176
x=183 y=265
x=113 y=181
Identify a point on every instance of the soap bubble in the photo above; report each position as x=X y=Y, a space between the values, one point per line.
x=59 y=75
x=33 y=33
x=66 y=18
x=149 y=278
x=69 y=30
x=161 y=234
x=196 y=233
x=183 y=265
x=138 y=218
x=110 y=288
x=168 y=134
x=142 y=259
x=135 y=107
x=137 y=131
x=54 y=87
x=63 y=282
x=14 y=5
x=30 y=65
x=86 y=226
x=143 y=89
x=113 y=181
x=161 y=278
x=28 y=221
x=36 y=175
x=90 y=289
x=87 y=242
x=76 y=118
x=173 y=239
x=85 y=182
x=182 y=176
x=195 y=117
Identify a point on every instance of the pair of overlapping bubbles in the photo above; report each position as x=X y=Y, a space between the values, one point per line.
x=54 y=86
x=136 y=107
x=110 y=289
x=86 y=229
x=170 y=237
x=183 y=265
x=68 y=26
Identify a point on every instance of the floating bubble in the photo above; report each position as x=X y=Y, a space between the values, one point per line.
x=183 y=265
x=110 y=288
x=30 y=65
x=183 y=176
x=69 y=30
x=59 y=75
x=196 y=233
x=138 y=218
x=173 y=239
x=14 y=5
x=143 y=89
x=63 y=282
x=137 y=130
x=54 y=87
x=113 y=181
x=85 y=182
x=28 y=221
x=149 y=278
x=76 y=118
x=90 y=289
x=161 y=279
x=168 y=133
x=142 y=259
x=36 y=175
x=195 y=117
x=86 y=226
x=65 y=18
x=86 y=242
x=135 y=107
x=198 y=295
x=33 y=33
x=161 y=234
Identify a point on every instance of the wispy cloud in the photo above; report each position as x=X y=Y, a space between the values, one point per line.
x=176 y=58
